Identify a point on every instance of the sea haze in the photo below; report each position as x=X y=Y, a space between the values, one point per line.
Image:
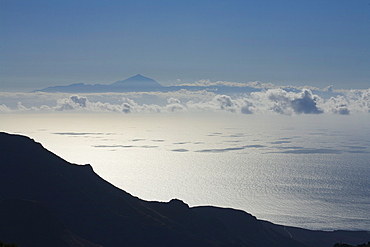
x=305 y=171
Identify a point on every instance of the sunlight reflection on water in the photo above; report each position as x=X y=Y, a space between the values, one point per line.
x=306 y=171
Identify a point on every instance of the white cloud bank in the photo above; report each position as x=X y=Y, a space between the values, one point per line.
x=270 y=101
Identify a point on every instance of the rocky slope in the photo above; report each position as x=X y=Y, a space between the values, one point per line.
x=46 y=201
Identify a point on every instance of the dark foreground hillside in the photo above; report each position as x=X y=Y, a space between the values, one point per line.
x=46 y=201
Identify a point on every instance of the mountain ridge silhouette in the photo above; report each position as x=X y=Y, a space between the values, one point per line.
x=86 y=210
x=137 y=83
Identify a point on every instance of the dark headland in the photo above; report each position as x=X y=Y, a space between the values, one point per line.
x=46 y=201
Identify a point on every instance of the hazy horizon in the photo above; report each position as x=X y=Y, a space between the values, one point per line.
x=299 y=43
x=203 y=96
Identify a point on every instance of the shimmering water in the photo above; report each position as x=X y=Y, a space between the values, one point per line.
x=306 y=171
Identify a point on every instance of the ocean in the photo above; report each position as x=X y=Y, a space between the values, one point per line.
x=310 y=171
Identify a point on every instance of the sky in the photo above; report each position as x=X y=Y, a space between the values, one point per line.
x=317 y=43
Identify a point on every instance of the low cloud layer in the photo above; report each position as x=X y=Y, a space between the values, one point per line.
x=269 y=101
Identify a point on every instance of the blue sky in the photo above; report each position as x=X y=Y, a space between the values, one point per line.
x=316 y=43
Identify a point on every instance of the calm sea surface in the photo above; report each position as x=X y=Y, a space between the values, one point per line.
x=306 y=171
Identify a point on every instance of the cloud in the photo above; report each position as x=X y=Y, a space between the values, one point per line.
x=22 y=107
x=79 y=100
x=217 y=103
x=207 y=83
x=74 y=102
x=4 y=108
x=306 y=103
x=270 y=101
x=337 y=105
x=283 y=102
x=174 y=105
x=81 y=103
x=128 y=105
x=225 y=102
x=246 y=107
x=359 y=100
x=44 y=108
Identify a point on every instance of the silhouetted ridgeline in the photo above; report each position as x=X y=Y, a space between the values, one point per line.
x=347 y=245
x=138 y=83
x=135 y=83
x=46 y=201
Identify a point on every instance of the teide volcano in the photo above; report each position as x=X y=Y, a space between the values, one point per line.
x=137 y=82
x=46 y=201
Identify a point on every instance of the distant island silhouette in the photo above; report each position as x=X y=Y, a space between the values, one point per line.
x=140 y=83
x=137 y=83
x=46 y=201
